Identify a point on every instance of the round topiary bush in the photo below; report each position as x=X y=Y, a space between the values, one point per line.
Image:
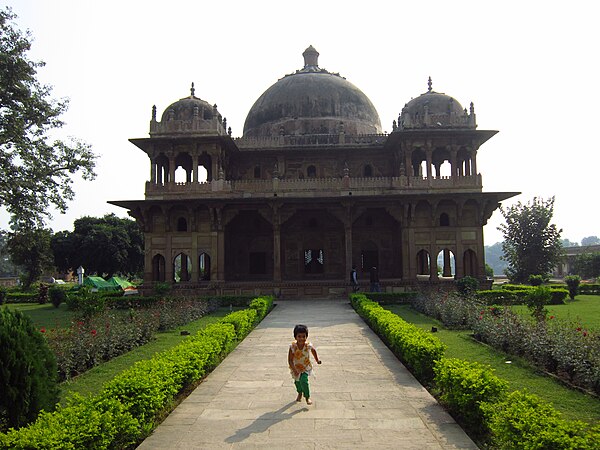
x=57 y=296
x=28 y=374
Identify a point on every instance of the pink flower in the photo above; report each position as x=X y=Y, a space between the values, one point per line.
x=578 y=328
x=93 y=332
x=43 y=330
x=551 y=317
x=585 y=333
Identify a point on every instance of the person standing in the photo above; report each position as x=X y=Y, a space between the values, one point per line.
x=374 y=278
x=354 y=279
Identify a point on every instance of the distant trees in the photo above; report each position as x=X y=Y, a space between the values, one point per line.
x=29 y=248
x=106 y=246
x=590 y=240
x=532 y=245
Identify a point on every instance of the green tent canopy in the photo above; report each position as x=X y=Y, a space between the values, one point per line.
x=98 y=283
x=119 y=282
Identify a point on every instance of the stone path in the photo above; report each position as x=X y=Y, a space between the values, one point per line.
x=363 y=396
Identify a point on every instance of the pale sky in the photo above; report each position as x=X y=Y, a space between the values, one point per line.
x=530 y=67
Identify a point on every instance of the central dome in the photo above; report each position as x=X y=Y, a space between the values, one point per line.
x=312 y=101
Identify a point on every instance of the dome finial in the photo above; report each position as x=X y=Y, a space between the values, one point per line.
x=192 y=90
x=311 y=57
x=429 y=85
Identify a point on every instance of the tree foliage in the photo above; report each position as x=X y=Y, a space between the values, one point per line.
x=7 y=267
x=29 y=248
x=28 y=372
x=590 y=240
x=532 y=245
x=35 y=171
x=105 y=246
x=587 y=265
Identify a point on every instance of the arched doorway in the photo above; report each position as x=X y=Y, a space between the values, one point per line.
x=470 y=263
x=204 y=267
x=158 y=268
x=182 y=267
x=447 y=261
x=423 y=263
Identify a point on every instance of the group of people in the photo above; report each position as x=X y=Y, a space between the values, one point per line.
x=373 y=278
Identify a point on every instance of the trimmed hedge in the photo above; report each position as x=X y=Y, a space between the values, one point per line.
x=464 y=386
x=414 y=346
x=589 y=289
x=524 y=421
x=516 y=295
x=395 y=298
x=128 y=406
x=21 y=297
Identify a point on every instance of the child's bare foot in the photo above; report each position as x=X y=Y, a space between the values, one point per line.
x=299 y=398
x=308 y=401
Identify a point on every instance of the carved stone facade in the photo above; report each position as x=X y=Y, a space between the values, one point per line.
x=301 y=197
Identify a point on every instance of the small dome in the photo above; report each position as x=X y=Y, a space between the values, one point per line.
x=188 y=108
x=434 y=110
x=312 y=101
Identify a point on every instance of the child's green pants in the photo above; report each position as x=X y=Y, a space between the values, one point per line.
x=302 y=385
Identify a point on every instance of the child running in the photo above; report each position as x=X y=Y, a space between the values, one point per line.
x=299 y=362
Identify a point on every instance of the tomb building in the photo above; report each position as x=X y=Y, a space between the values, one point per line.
x=312 y=188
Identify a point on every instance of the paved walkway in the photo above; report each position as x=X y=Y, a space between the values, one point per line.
x=363 y=396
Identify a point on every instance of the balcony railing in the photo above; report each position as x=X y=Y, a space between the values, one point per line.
x=318 y=187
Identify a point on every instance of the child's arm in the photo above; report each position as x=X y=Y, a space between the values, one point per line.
x=314 y=352
x=291 y=362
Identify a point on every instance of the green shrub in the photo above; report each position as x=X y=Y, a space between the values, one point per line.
x=524 y=421
x=243 y=321
x=262 y=306
x=395 y=298
x=161 y=289
x=467 y=285
x=573 y=282
x=536 y=300
x=57 y=295
x=21 y=297
x=88 y=423
x=417 y=348
x=464 y=385
x=27 y=371
x=536 y=280
x=2 y=295
x=589 y=289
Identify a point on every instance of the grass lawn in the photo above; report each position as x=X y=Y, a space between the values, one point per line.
x=585 y=310
x=91 y=381
x=518 y=373
x=46 y=315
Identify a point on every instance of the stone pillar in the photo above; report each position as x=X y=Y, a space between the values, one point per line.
x=276 y=250
x=474 y=163
x=171 y=170
x=168 y=261
x=195 y=168
x=348 y=242
x=433 y=267
x=153 y=172
x=447 y=271
x=184 y=268
x=221 y=254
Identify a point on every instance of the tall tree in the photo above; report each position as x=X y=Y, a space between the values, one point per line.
x=29 y=248
x=105 y=246
x=7 y=267
x=532 y=245
x=35 y=172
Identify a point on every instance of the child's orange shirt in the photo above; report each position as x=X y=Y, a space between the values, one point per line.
x=301 y=358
